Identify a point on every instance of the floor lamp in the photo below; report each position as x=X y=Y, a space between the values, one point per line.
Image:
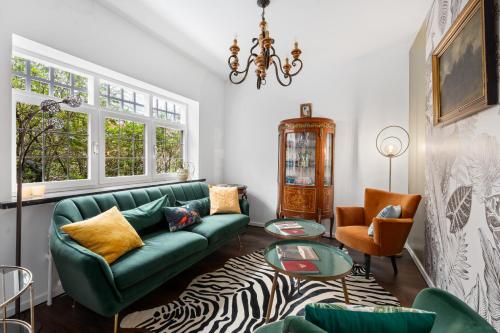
x=48 y=109
x=392 y=141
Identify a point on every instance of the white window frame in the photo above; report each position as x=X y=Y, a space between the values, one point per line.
x=36 y=99
x=97 y=115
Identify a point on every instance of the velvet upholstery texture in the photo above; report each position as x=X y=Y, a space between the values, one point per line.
x=452 y=316
x=107 y=289
x=390 y=234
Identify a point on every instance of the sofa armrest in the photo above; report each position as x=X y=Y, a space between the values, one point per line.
x=245 y=207
x=296 y=324
x=391 y=234
x=349 y=216
x=84 y=275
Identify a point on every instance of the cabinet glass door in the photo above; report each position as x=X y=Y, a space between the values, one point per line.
x=300 y=159
x=327 y=180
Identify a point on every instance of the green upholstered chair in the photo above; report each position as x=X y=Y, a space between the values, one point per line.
x=453 y=316
x=107 y=289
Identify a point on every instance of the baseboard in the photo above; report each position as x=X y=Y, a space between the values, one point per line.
x=420 y=266
x=257 y=224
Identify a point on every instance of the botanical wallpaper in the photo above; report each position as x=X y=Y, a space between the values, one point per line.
x=462 y=192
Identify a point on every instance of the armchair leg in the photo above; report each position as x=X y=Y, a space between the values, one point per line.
x=368 y=259
x=341 y=246
x=394 y=265
x=115 y=329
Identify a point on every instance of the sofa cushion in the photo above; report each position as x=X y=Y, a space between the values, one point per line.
x=161 y=249
x=203 y=205
x=108 y=234
x=147 y=215
x=218 y=227
x=344 y=318
x=181 y=217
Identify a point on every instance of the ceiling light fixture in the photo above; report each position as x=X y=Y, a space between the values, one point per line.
x=265 y=58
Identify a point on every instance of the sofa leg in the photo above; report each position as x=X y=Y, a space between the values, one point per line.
x=239 y=241
x=115 y=330
x=368 y=260
x=394 y=265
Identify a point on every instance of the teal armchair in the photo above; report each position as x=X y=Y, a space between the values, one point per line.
x=453 y=316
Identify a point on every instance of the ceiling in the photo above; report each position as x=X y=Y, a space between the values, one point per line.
x=328 y=31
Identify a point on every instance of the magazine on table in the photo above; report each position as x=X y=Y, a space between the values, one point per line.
x=288 y=225
x=300 y=266
x=296 y=252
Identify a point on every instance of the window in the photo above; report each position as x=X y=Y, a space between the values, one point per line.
x=54 y=155
x=108 y=139
x=166 y=110
x=124 y=147
x=115 y=97
x=169 y=150
x=32 y=76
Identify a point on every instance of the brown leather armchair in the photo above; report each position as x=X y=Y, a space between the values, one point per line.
x=389 y=234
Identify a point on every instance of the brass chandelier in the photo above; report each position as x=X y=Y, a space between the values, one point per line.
x=265 y=58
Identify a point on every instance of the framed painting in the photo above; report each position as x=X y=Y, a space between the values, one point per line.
x=464 y=71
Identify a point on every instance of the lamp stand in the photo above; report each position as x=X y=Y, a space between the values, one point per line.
x=390 y=173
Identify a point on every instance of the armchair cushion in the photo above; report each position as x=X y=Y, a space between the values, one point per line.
x=342 y=318
x=391 y=212
x=356 y=237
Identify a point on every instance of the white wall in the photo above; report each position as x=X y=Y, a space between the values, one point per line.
x=85 y=29
x=362 y=95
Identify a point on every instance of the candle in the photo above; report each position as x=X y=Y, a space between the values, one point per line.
x=38 y=191
x=26 y=192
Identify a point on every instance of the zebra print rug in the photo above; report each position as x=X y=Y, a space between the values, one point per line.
x=234 y=299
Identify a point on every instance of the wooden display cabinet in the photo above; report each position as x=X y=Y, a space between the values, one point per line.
x=306 y=169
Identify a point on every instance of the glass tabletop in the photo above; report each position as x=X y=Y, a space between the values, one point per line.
x=333 y=263
x=311 y=229
x=13 y=282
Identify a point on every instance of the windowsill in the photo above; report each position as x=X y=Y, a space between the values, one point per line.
x=58 y=196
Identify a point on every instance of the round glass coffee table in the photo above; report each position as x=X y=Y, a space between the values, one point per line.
x=312 y=229
x=14 y=281
x=333 y=264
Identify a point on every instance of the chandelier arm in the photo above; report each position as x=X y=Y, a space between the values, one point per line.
x=294 y=64
x=284 y=84
x=280 y=65
x=234 y=74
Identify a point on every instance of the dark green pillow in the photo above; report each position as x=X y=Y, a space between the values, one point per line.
x=147 y=215
x=203 y=205
x=342 y=318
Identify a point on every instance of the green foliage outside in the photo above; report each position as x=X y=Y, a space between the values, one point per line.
x=124 y=148
x=55 y=155
x=168 y=150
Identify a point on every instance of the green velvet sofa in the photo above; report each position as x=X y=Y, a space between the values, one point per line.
x=453 y=316
x=107 y=289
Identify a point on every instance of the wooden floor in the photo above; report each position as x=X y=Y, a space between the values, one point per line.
x=61 y=317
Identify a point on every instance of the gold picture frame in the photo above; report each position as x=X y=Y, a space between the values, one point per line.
x=306 y=110
x=464 y=71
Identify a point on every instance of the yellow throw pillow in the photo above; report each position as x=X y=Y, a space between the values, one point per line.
x=224 y=200
x=108 y=234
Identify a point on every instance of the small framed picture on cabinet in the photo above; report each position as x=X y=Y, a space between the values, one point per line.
x=306 y=110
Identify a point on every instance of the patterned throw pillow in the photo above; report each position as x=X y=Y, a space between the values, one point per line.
x=180 y=217
x=389 y=212
x=343 y=318
x=204 y=208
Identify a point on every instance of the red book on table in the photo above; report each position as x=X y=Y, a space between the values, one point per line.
x=300 y=266
x=293 y=231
